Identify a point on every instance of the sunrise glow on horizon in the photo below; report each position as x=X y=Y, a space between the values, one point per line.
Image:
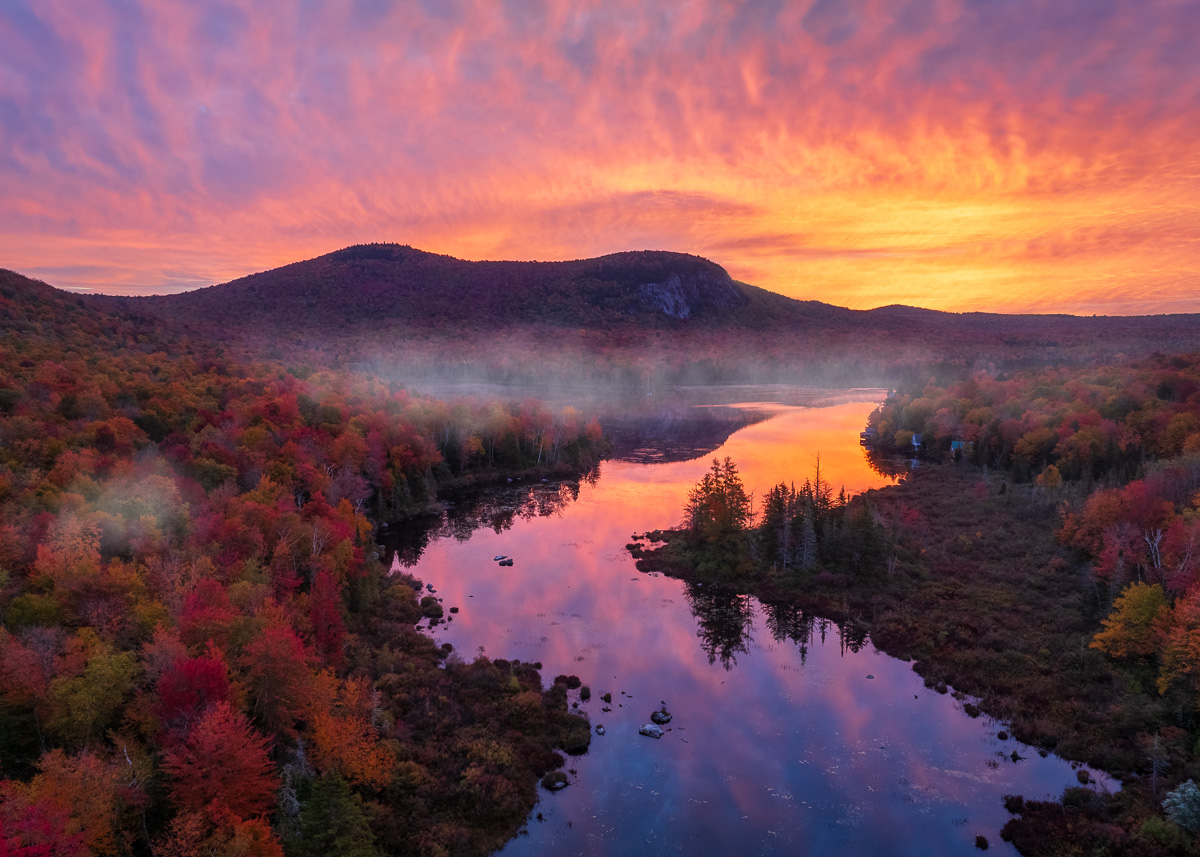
x=1025 y=156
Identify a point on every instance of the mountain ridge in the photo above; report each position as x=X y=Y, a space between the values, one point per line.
x=620 y=269
x=398 y=282
x=629 y=319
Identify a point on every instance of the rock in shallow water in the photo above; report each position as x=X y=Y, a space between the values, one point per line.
x=651 y=730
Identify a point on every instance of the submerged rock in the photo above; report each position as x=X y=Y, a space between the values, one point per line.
x=651 y=730
x=554 y=781
x=600 y=729
x=506 y=562
x=499 y=557
x=661 y=717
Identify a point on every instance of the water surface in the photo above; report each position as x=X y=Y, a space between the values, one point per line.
x=787 y=737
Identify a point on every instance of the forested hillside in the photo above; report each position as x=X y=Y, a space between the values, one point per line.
x=200 y=651
x=1108 y=458
x=386 y=282
x=629 y=319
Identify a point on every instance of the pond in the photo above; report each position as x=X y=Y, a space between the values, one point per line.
x=786 y=737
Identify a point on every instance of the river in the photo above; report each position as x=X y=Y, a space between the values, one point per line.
x=786 y=737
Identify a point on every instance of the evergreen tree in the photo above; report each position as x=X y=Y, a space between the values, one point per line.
x=333 y=822
x=719 y=504
x=807 y=547
x=777 y=530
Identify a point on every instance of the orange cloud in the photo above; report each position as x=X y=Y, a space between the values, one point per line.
x=1032 y=155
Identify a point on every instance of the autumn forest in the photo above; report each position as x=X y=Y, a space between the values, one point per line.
x=580 y=428
x=205 y=651
x=201 y=650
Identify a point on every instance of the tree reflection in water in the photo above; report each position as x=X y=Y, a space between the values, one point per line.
x=788 y=622
x=725 y=619
x=887 y=464
x=494 y=508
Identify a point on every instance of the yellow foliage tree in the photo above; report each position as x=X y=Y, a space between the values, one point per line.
x=1132 y=629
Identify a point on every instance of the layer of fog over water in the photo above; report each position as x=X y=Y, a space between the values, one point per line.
x=787 y=737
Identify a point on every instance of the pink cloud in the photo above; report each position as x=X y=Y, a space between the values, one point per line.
x=1019 y=155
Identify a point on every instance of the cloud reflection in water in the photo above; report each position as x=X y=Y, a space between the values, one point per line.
x=790 y=750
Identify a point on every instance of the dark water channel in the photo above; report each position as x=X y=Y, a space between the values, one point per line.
x=787 y=737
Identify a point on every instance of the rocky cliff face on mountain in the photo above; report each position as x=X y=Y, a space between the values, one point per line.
x=681 y=296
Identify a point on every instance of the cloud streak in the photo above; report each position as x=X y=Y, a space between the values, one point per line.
x=1019 y=155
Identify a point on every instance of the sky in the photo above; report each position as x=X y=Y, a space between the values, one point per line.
x=1006 y=155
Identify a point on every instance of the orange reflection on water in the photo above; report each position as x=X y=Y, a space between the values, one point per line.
x=796 y=743
x=785 y=448
x=575 y=563
x=789 y=447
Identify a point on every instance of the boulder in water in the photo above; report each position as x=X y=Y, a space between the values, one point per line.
x=651 y=730
x=661 y=717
